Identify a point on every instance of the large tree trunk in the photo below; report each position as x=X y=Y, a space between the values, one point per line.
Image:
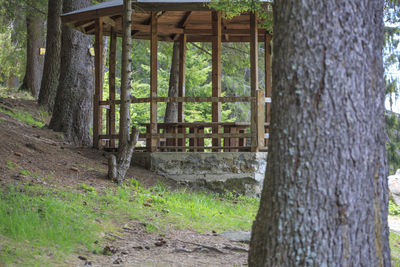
x=51 y=72
x=325 y=197
x=171 y=112
x=34 y=61
x=125 y=117
x=72 y=113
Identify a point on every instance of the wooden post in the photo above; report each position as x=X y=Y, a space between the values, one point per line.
x=153 y=79
x=254 y=80
x=182 y=77
x=268 y=79
x=260 y=118
x=181 y=87
x=112 y=65
x=98 y=91
x=216 y=74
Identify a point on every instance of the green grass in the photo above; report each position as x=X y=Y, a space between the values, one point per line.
x=394 y=240
x=41 y=226
x=23 y=117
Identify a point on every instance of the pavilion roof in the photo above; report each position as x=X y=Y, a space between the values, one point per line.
x=175 y=17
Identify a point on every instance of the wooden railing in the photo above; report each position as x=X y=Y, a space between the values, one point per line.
x=192 y=137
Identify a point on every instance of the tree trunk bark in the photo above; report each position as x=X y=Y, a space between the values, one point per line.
x=72 y=112
x=171 y=112
x=117 y=168
x=325 y=197
x=125 y=118
x=51 y=71
x=34 y=61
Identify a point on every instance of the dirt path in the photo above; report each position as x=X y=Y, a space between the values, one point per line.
x=40 y=156
x=133 y=246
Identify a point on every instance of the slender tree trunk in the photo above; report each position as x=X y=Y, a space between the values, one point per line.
x=117 y=167
x=72 y=112
x=325 y=197
x=51 y=71
x=125 y=118
x=171 y=112
x=34 y=61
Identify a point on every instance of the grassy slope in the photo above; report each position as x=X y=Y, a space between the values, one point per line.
x=41 y=225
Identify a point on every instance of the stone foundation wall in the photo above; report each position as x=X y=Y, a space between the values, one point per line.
x=239 y=171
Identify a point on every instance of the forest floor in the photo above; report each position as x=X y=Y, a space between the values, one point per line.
x=57 y=207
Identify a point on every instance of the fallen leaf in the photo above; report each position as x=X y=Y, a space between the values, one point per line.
x=18 y=154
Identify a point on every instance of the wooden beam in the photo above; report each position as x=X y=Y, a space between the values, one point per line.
x=98 y=91
x=254 y=79
x=112 y=88
x=216 y=72
x=153 y=79
x=109 y=21
x=182 y=77
x=232 y=39
x=186 y=19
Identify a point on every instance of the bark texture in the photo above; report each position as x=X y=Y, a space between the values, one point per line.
x=72 y=112
x=34 y=61
x=325 y=197
x=51 y=71
x=171 y=112
x=117 y=168
x=125 y=118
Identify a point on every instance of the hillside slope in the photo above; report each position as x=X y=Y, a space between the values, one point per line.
x=42 y=178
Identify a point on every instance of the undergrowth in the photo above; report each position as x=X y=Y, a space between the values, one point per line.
x=393 y=209
x=23 y=117
x=41 y=226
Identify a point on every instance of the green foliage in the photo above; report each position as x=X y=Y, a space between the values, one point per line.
x=12 y=56
x=232 y=8
x=393 y=144
x=393 y=209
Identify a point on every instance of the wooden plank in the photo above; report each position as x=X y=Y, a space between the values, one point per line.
x=254 y=78
x=216 y=72
x=232 y=39
x=232 y=99
x=112 y=88
x=98 y=91
x=184 y=135
x=182 y=78
x=164 y=29
x=202 y=148
x=268 y=79
x=153 y=79
x=193 y=99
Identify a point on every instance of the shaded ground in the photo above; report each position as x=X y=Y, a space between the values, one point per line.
x=29 y=154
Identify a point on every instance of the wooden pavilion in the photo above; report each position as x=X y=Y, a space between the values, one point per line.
x=183 y=21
